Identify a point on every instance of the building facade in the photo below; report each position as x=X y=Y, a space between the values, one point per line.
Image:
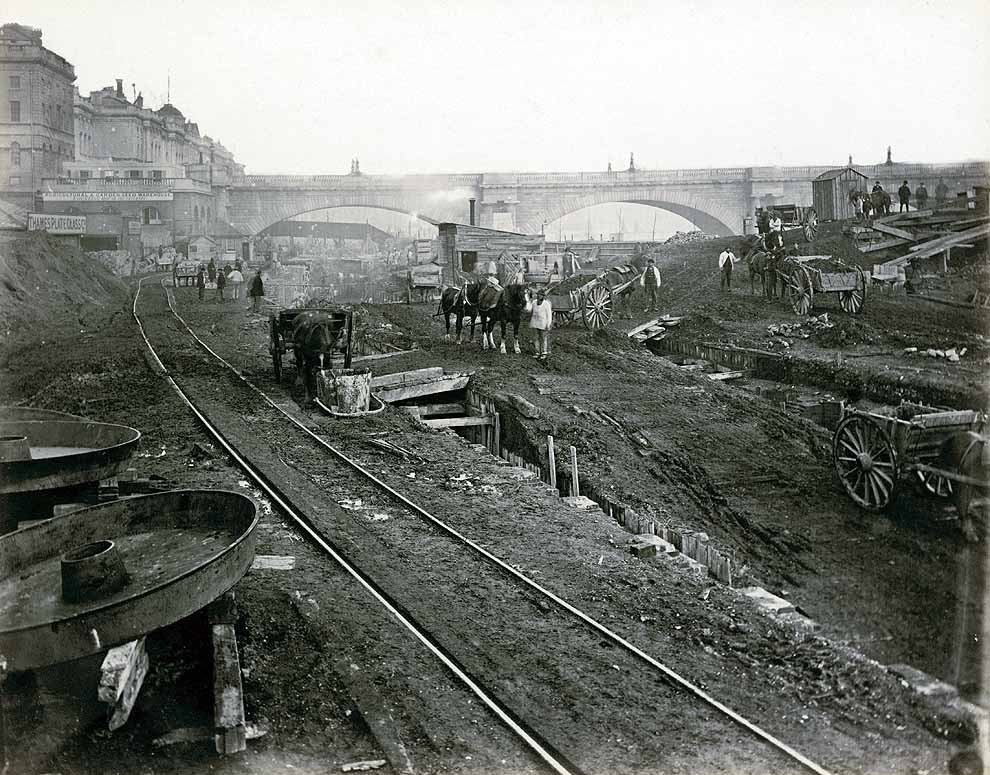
x=36 y=114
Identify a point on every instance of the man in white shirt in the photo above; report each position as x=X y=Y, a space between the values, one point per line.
x=541 y=323
x=650 y=281
x=776 y=224
x=725 y=261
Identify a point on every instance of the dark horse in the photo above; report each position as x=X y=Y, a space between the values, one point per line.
x=763 y=258
x=462 y=303
x=314 y=338
x=504 y=306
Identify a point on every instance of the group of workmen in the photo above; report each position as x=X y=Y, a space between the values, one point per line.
x=229 y=276
x=878 y=202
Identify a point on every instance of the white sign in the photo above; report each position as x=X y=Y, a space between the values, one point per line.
x=108 y=196
x=57 y=224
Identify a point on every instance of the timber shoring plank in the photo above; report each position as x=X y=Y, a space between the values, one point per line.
x=406 y=377
x=444 y=385
x=460 y=422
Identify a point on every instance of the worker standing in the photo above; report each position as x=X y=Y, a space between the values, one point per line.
x=921 y=195
x=541 y=323
x=725 y=261
x=221 y=284
x=201 y=282
x=236 y=280
x=904 y=197
x=650 y=282
x=941 y=191
x=256 y=291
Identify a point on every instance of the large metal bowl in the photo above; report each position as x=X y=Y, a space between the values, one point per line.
x=18 y=413
x=65 y=453
x=180 y=551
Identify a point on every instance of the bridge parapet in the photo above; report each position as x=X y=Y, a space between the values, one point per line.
x=368 y=182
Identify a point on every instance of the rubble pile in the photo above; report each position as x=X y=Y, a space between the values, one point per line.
x=117 y=261
x=952 y=354
x=803 y=329
x=681 y=237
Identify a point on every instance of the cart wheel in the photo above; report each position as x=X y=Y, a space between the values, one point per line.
x=597 y=308
x=561 y=317
x=852 y=301
x=866 y=462
x=936 y=485
x=801 y=292
x=811 y=226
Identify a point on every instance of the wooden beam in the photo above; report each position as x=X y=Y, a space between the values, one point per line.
x=230 y=734
x=460 y=422
x=552 y=462
x=894 y=231
x=883 y=245
x=122 y=675
x=937 y=246
x=406 y=377
x=444 y=385
x=721 y=376
x=637 y=329
x=429 y=410
x=380 y=356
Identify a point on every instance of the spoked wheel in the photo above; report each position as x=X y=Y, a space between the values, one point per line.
x=561 y=317
x=935 y=484
x=275 y=347
x=866 y=462
x=852 y=301
x=801 y=292
x=597 y=308
x=811 y=226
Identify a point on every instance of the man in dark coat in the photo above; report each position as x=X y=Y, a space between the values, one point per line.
x=941 y=191
x=256 y=291
x=211 y=270
x=221 y=284
x=201 y=282
x=904 y=196
x=922 y=196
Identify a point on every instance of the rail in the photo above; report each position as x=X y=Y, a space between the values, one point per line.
x=503 y=713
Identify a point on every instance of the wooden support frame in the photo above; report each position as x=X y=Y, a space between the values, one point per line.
x=230 y=734
x=121 y=677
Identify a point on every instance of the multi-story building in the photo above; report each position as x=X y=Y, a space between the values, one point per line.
x=36 y=114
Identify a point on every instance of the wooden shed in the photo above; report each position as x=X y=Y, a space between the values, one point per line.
x=830 y=193
x=473 y=251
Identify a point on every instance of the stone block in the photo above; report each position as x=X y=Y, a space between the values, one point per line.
x=642 y=549
x=767 y=601
x=798 y=621
x=662 y=547
x=693 y=567
x=580 y=502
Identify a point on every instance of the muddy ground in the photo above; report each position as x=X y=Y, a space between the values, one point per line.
x=691 y=453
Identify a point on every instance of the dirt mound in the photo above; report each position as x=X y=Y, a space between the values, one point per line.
x=40 y=275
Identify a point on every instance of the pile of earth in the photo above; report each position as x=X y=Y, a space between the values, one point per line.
x=680 y=237
x=41 y=275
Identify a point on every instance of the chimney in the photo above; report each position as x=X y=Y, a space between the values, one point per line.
x=471 y=211
x=120 y=87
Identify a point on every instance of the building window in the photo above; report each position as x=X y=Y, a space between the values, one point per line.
x=111 y=210
x=15 y=111
x=150 y=215
x=156 y=174
x=15 y=180
x=134 y=173
x=15 y=154
x=84 y=174
x=469 y=260
x=15 y=82
x=74 y=211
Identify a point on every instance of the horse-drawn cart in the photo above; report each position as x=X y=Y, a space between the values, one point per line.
x=282 y=327
x=805 y=276
x=594 y=300
x=945 y=451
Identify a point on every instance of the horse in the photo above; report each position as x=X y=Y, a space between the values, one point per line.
x=314 y=338
x=515 y=299
x=461 y=302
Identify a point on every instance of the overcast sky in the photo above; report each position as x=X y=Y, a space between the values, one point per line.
x=531 y=85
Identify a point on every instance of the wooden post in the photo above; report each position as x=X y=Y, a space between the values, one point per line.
x=228 y=700
x=122 y=674
x=575 y=484
x=552 y=462
x=497 y=435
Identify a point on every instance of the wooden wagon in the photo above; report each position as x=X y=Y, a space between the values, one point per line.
x=280 y=328
x=424 y=281
x=944 y=451
x=805 y=276
x=595 y=300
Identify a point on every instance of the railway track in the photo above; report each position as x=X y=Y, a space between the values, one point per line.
x=291 y=464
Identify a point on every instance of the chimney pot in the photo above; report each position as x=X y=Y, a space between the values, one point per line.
x=471 y=204
x=120 y=87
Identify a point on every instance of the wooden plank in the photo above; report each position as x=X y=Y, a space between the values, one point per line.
x=380 y=356
x=882 y=245
x=228 y=699
x=444 y=385
x=122 y=674
x=460 y=422
x=273 y=562
x=894 y=231
x=406 y=377
x=575 y=482
x=721 y=376
x=552 y=462
x=937 y=246
x=643 y=327
x=430 y=410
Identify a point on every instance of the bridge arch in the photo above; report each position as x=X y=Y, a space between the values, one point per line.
x=255 y=210
x=706 y=210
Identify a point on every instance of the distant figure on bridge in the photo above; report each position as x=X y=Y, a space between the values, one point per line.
x=941 y=192
x=236 y=280
x=921 y=195
x=725 y=261
x=256 y=291
x=904 y=197
x=201 y=282
x=650 y=281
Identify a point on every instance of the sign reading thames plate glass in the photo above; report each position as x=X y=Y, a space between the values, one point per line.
x=108 y=196
x=57 y=224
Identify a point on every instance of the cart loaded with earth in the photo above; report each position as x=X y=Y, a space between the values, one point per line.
x=593 y=300
x=946 y=452
x=805 y=276
x=292 y=329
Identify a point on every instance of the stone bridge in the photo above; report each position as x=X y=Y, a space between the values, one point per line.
x=714 y=200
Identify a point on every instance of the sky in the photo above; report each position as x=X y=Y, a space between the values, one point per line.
x=540 y=85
